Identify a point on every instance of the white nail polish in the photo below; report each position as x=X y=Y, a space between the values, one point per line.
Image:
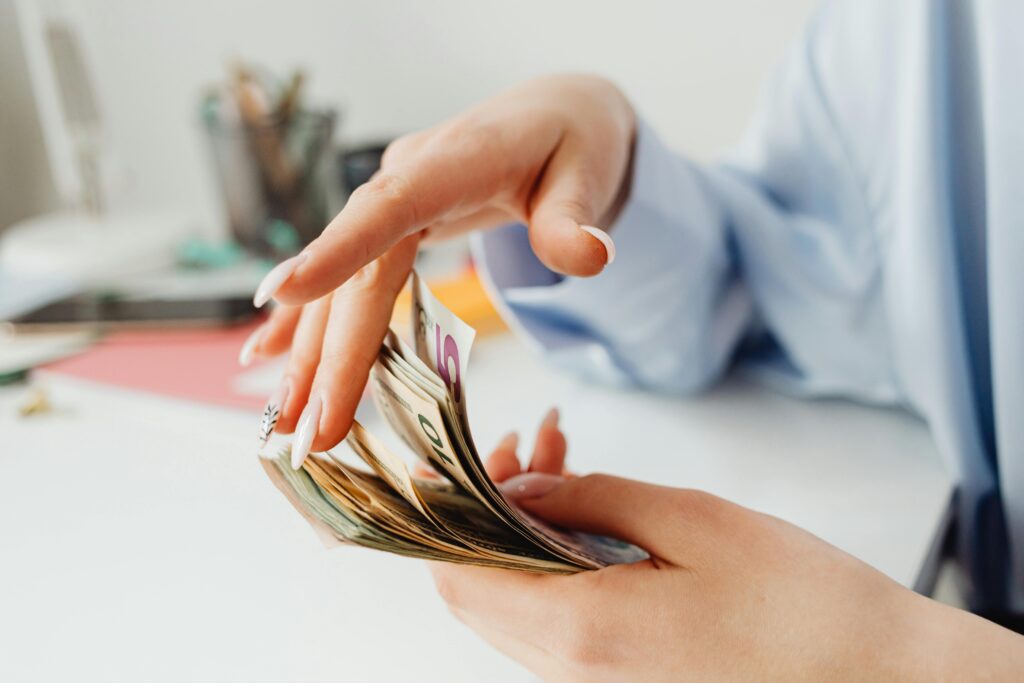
x=306 y=430
x=275 y=278
x=530 y=485
x=509 y=442
x=550 y=419
x=249 y=347
x=272 y=412
x=604 y=238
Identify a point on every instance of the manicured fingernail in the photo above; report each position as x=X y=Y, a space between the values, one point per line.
x=509 y=442
x=530 y=485
x=275 y=278
x=305 y=431
x=550 y=420
x=604 y=238
x=249 y=347
x=272 y=412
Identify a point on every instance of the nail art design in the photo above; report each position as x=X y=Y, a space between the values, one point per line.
x=275 y=278
x=604 y=238
x=272 y=412
x=267 y=423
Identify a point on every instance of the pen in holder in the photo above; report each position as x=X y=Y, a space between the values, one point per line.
x=272 y=169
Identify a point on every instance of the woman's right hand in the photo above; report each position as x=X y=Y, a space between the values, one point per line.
x=553 y=153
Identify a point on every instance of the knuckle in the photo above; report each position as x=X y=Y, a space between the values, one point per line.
x=583 y=642
x=465 y=133
x=700 y=506
x=471 y=139
x=345 y=368
x=396 y=151
x=368 y=277
x=302 y=363
x=394 y=191
x=577 y=207
x=595 y=484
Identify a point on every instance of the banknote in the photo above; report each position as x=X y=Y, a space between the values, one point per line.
x=368 y=497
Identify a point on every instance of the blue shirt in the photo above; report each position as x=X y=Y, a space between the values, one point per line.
x=865 y=239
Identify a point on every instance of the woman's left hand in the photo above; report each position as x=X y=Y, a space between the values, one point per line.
x=727 y=594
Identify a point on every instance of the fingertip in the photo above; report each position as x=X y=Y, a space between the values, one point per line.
x=277 y=277
x=550 y=420
x=335 y=423
x=551 y=446
x=605 y=239
x=509 y=442
x=503 y=462
x=251 y=346
x=421 y=470
x=563 y=246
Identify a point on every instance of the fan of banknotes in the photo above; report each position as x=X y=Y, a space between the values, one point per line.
x=462 y=517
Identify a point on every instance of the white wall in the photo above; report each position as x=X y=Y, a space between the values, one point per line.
x=692 y=67
x=25 y=182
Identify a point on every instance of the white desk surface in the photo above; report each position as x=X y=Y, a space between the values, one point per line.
x=141 y=541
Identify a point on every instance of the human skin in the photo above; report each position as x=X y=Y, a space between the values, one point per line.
x=553 y=153
x=729 y=593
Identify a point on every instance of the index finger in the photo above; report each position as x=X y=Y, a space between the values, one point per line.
x=459 y=169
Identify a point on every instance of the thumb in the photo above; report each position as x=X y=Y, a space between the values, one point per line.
x=660 y=519
x=564 y=208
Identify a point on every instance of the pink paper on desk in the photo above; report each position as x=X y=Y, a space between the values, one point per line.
x=198 y=365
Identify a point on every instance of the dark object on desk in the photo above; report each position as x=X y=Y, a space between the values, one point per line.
x=358 y=164
x=272 y=160
x=111 y=312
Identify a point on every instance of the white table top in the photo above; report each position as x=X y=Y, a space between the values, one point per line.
x=142 y=541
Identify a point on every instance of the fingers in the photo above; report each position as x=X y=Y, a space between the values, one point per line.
x=421 y=470
x=359 y=317
x=563 y=204
x=458 y=169
x=482 y=219
x=632 y=511
x=548 y=452
x=550 y=448
x=503 y=461
x=554 y=152
x=301 y=368
x=272 y=337
x=402 y=150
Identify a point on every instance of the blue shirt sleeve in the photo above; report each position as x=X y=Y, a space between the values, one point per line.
x=775 y=244
x=666 y=314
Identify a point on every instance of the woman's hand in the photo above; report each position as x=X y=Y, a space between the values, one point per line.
x=553 y=153
x=728 y=594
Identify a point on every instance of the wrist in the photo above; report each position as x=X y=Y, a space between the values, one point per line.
x=940 y=642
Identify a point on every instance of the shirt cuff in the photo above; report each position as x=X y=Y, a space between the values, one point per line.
x=670 y=252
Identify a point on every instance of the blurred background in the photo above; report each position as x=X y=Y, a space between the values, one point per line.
x=692 y=68
x=156 y=159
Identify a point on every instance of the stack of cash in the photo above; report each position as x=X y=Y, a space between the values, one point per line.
x=461 y=517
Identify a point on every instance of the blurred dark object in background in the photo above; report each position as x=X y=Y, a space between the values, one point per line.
x=359 y=163
x=272 y=161
x=101 y=313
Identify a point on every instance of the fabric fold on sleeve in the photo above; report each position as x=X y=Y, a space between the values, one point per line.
x=667 y=314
